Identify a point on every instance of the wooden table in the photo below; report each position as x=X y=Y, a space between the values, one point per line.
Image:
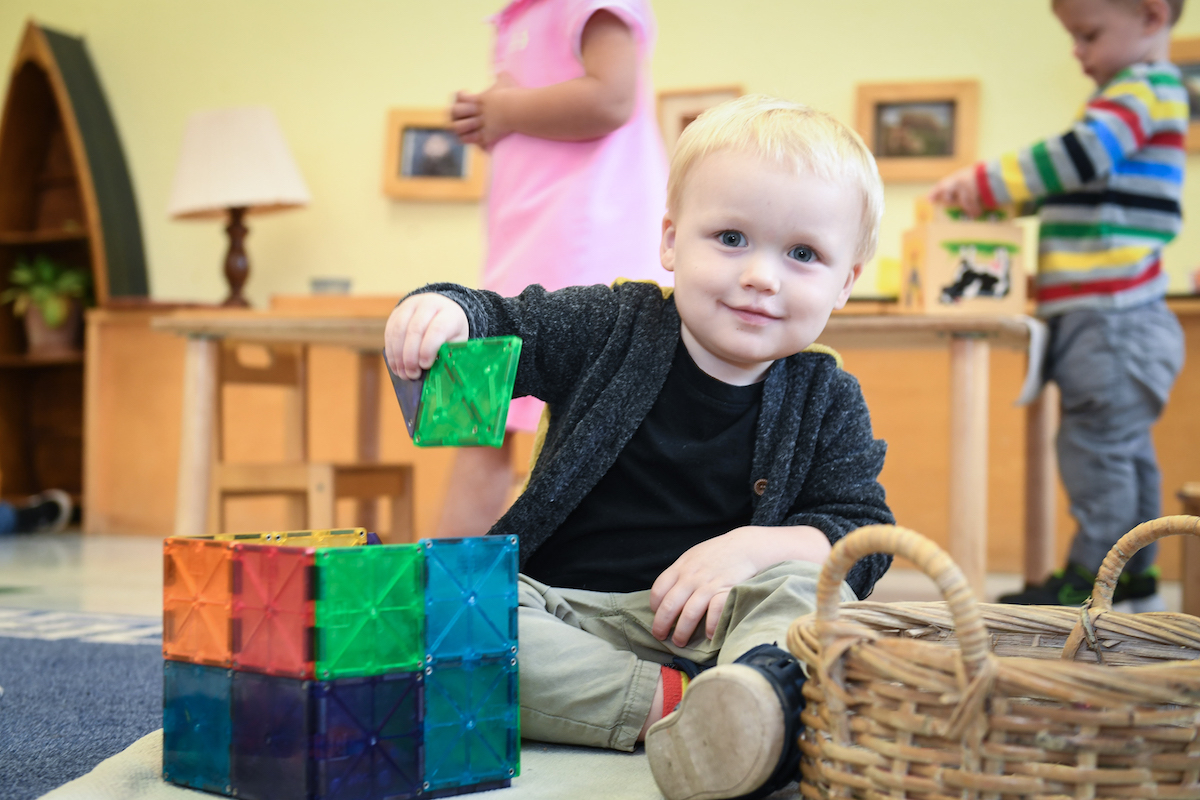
x=969 y=340
x=204 y=331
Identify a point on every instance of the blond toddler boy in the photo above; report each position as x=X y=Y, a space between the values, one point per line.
x=701 y=454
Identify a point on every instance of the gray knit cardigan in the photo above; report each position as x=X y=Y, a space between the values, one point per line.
x=599 y=356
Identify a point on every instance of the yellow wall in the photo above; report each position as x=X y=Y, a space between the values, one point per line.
x=330 y=71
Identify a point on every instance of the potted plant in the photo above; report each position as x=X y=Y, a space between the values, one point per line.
x=50 y=297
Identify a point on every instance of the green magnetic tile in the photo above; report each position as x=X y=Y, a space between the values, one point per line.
x=467 y=393
x=370 y=610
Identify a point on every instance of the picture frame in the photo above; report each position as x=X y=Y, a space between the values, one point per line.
x=1185 y=54
x=919 y=130
x=678 y=107
x=424 y=160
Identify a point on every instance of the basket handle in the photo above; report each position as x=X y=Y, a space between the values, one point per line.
x=933 y=561
x=1110 y=570
x=1129 y=544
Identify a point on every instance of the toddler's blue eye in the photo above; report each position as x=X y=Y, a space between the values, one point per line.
x=802 y=253
x=732 y=238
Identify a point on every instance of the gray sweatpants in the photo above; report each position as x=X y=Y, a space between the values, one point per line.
x=589 y=665
x=1115 y=369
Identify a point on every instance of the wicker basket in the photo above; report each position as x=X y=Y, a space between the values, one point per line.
x=1024 y=701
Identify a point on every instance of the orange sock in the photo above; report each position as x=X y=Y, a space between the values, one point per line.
x=674 y=683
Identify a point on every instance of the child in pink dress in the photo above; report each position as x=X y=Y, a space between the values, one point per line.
x=578 y=180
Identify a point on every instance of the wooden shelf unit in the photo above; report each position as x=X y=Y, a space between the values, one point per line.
x=64 y=193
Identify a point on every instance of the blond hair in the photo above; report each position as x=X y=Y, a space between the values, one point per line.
x=1175 y=7
x=796 y=137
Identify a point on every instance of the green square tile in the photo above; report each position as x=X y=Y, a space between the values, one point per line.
x=370 y=610
x=467 y=392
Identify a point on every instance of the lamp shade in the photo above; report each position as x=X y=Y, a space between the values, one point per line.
x=235 y=158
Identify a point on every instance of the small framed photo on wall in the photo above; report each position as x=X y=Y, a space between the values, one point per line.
x=678 y=108
x=424 y=160
x=919 y=131
x=1185 y=54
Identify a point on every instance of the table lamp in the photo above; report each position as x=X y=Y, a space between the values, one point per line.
x=235 y=161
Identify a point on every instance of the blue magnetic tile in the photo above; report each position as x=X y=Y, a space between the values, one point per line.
x=368 y=739
x=470 y=598
x=471 y=723
x=196 y=725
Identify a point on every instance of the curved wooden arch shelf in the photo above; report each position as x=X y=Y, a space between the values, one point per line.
x=63 y=173
x=65 y=192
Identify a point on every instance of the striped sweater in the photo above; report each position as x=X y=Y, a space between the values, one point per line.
x=1107 y=191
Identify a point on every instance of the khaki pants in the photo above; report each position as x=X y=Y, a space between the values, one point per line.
x=589 y=665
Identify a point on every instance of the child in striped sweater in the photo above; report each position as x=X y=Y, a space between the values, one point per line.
x=1108 y=197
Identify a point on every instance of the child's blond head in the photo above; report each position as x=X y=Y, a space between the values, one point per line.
x=1175 y=6
x=796 y=137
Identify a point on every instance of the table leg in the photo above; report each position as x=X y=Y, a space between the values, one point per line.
x=1041 y=472
x=969 y=457
x=369 y=375
x=195 y=446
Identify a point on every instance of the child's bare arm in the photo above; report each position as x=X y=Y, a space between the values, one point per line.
x=696 y=586
x=587 y=107
x=417 y=328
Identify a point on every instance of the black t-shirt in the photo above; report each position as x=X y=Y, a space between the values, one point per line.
x=683 y=478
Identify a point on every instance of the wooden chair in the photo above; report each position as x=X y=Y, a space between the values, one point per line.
x=1190 y=495
x=312 y=488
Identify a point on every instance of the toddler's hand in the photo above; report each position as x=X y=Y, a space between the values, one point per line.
x=480 y=118
x=959 y=189
x=697 y=585
x=417 y=328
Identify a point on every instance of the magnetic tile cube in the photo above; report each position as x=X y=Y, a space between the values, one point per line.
x=472 y=725
x=197 y=584
x=464 y=396
x=339 y=655
x=470 y=598
x=351 y=739
x=271 y=629
x=196 y=725
x=370 y=610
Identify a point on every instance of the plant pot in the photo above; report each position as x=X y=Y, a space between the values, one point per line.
x=46 y=341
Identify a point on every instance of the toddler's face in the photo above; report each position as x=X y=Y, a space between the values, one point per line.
x=1108 y=36
x=761 y=256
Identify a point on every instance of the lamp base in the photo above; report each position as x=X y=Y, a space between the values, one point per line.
x=237 y=266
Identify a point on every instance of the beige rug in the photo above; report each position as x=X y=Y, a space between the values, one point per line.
x=548 y=772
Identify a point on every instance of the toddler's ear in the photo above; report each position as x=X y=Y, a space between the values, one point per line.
x=844 y=294
x=666 y=250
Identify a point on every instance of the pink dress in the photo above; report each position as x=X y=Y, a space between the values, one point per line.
x=572 y=213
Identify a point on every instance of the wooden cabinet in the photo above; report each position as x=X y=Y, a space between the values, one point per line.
x=65 y=194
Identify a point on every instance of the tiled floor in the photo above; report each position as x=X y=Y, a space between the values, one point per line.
x=123 y=575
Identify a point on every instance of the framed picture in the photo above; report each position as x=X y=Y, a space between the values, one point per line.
x=424 y=160
x=677 y=109
x=919 y=131
x=1185 y=54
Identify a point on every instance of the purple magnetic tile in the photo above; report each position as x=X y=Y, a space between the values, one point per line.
x=272 y=728
x=408 y=393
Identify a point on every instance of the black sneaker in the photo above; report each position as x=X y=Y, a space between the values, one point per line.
x=1072 y=586
x=47 y=512
x=734 y=733
x=1138 y=593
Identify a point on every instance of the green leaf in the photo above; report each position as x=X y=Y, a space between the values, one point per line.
x=54 y=310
